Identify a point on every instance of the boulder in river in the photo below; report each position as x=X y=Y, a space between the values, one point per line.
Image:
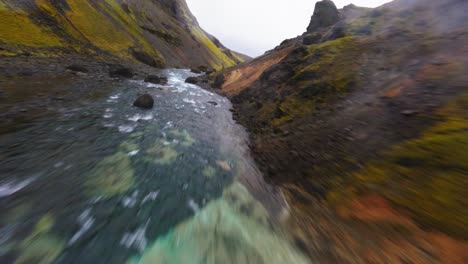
x=144 y=101
x=156 y=79
x=192 y=80
x=121 y=72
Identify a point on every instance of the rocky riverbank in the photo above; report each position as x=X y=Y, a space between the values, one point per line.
x=357 y=120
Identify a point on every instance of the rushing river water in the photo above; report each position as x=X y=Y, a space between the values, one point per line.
x=105 y=182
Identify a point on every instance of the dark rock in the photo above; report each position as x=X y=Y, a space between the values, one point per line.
x=219 y=81
x=338 y=31
x=192 y=80
x=325 y=15
x=156 y=79
x=148 y=59
x=144 y=101
x=212 y=103
x=312 y=39
x=203 y=68
x=121 y=72
x=26 y=73
x=409 y=112
x=197 y=71
x=77 y=68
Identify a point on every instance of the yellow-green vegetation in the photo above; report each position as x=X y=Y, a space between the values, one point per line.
x=130 y=23
x=47 y=7
x=327 y=71
x=97 y=28
x=41 y=246
x=219 y=59
x=113 y=175
x=18 y=29
x=3 y=6
x=427 y=176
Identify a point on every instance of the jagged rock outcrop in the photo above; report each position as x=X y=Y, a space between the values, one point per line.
x=325 y=15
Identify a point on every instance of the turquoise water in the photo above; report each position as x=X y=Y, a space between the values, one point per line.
x=105 y=182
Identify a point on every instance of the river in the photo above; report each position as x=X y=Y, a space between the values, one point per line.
x=106 y=182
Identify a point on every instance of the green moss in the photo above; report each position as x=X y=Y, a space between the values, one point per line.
x=219 y=58
x=7 y=53
x=327 y=71
x=97 y=28
x=17 y=28
x=428 y=176
x=113 y=175
x=41 y=246
x=129 y=22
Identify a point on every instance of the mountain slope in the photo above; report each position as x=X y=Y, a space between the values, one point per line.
x=159 y=33
x=363 y=123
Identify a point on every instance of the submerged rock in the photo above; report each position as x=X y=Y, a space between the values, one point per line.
x=325 y=15
x=192 y=80
x=163 y=155
x=224 y=232
x=184 y=137
x=113 y=175
x=144 y=101
x=156 y=79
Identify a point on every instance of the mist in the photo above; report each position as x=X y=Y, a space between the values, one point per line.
x=253 y=27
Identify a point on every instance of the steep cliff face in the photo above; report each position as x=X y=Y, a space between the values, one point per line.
x=361 y=120
x=159 y=33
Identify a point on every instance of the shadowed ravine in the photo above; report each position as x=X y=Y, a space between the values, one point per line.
x=123 y=182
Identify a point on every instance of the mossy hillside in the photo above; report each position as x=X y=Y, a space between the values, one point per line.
x=62 y=24
x=97 y=28
x=17 y=28
x=218 y=59
x=128 y=21
x=426 y=176
x=109 y=27
x=327 y=71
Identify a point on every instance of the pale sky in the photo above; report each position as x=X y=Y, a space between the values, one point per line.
x=255 y=26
